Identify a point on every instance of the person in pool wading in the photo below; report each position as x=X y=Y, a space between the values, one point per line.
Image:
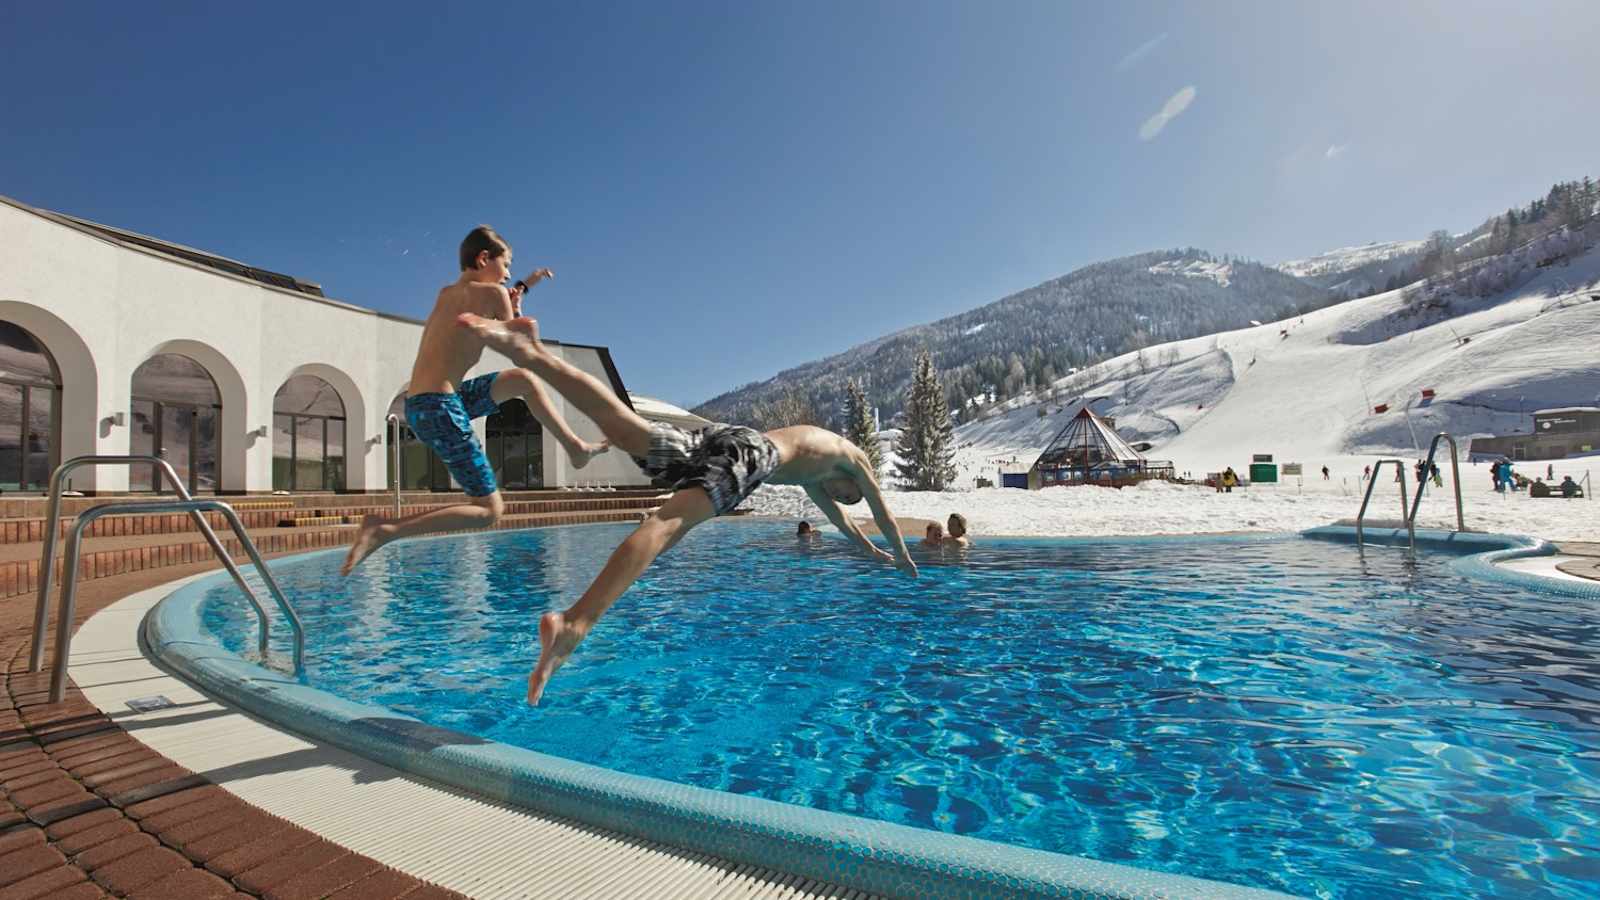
x=710 y=471
x=440 y=406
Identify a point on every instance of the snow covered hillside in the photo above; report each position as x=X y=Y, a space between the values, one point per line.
x=1356 y=270
x=1305 y=388
x=1344 y=259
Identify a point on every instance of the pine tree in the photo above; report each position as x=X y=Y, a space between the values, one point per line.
x=927 y=457
x=858 y=426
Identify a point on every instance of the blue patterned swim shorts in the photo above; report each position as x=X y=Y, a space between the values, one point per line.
x=444 y=422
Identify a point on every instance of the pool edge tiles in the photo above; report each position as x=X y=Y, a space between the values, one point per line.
x=878 y=857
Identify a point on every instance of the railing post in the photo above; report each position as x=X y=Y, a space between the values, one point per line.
x=1455 y=473
x=52 y=524
x=69 y=596
x=1372 y=483
x=394 y=458
x=272 y=588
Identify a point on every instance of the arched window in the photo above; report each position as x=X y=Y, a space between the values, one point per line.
x=176 y=411
x=308 y=434
x=516 y=446
x=30 y=411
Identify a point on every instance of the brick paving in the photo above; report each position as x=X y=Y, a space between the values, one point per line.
x=87 y=811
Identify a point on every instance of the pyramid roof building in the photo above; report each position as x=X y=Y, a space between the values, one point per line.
x=1088 y=442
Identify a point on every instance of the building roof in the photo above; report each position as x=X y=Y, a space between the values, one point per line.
x=1566 y=409
x=654 y=408
x=1087 y=440
x=200 y=257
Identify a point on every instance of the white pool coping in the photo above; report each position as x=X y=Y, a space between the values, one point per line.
x=1545 y=567
x=480 y=848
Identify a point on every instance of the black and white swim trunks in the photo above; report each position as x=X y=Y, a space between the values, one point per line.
x=728 y=461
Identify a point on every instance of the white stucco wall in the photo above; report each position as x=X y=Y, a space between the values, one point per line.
x=102 y=307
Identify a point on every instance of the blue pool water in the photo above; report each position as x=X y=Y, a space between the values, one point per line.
x=1276 y=712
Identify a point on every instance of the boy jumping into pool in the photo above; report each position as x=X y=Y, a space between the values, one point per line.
x=440 y=406
x=710 y=470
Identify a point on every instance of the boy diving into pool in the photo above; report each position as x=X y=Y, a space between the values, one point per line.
x=440 y=405
x=710 y=471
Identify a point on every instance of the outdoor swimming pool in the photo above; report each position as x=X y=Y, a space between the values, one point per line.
x=1274 y=712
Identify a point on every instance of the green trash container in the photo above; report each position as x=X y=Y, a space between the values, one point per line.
x=1263 y=472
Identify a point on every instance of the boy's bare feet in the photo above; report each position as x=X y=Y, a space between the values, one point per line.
x=517 y=340
x=557 y=639
x=587 y=451
x=368 y=539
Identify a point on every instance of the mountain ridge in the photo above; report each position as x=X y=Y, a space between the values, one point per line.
x=1037 y=334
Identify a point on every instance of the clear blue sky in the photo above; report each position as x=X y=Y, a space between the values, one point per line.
x=728 y=189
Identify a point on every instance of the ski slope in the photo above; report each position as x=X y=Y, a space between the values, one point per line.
x=1303 y=390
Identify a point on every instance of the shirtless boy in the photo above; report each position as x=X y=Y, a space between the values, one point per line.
x=710 y=472
x=440 y=406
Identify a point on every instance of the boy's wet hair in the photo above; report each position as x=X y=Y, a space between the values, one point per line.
x=478 y=240
x=803 y=528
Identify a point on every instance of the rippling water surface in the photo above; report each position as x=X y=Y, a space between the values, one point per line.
x=1272 y=712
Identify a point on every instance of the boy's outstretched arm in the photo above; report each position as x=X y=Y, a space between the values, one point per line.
x=520 y=289
x=842 y=521
x=885 y=519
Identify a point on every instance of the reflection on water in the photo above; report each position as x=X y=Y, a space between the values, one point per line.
x=1282 y=713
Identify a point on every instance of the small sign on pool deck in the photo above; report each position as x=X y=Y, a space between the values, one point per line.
x=149 y=704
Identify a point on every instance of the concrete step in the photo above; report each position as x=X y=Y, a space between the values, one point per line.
x=107 y=556
x=34 y=506
x=278 y=513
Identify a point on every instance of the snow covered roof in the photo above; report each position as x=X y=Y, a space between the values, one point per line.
x=661 y=411
x=1087 y=441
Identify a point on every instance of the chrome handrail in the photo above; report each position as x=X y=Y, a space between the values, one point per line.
x=52 y=523
x=69 y=583
x=1371 y=483
x=394 y=457
x=1455 y=473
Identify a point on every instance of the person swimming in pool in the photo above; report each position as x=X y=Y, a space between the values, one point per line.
x=441 y=402
x=956 y=531
x=710 y=471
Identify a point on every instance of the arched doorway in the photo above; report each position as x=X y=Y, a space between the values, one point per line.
x=30 y=411
x=308 y=436
x=176 y=410
x=516 y=447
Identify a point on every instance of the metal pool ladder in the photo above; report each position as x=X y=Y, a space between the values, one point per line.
x=1455 y=473
x=1372 y=483
x=184 y=503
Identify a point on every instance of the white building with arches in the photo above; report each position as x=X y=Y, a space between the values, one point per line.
x=244 y=380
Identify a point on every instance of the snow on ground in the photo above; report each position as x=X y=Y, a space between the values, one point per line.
x=1162 y=508
x=1346 y=258
x=1303 y=390
x=1218 y=272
